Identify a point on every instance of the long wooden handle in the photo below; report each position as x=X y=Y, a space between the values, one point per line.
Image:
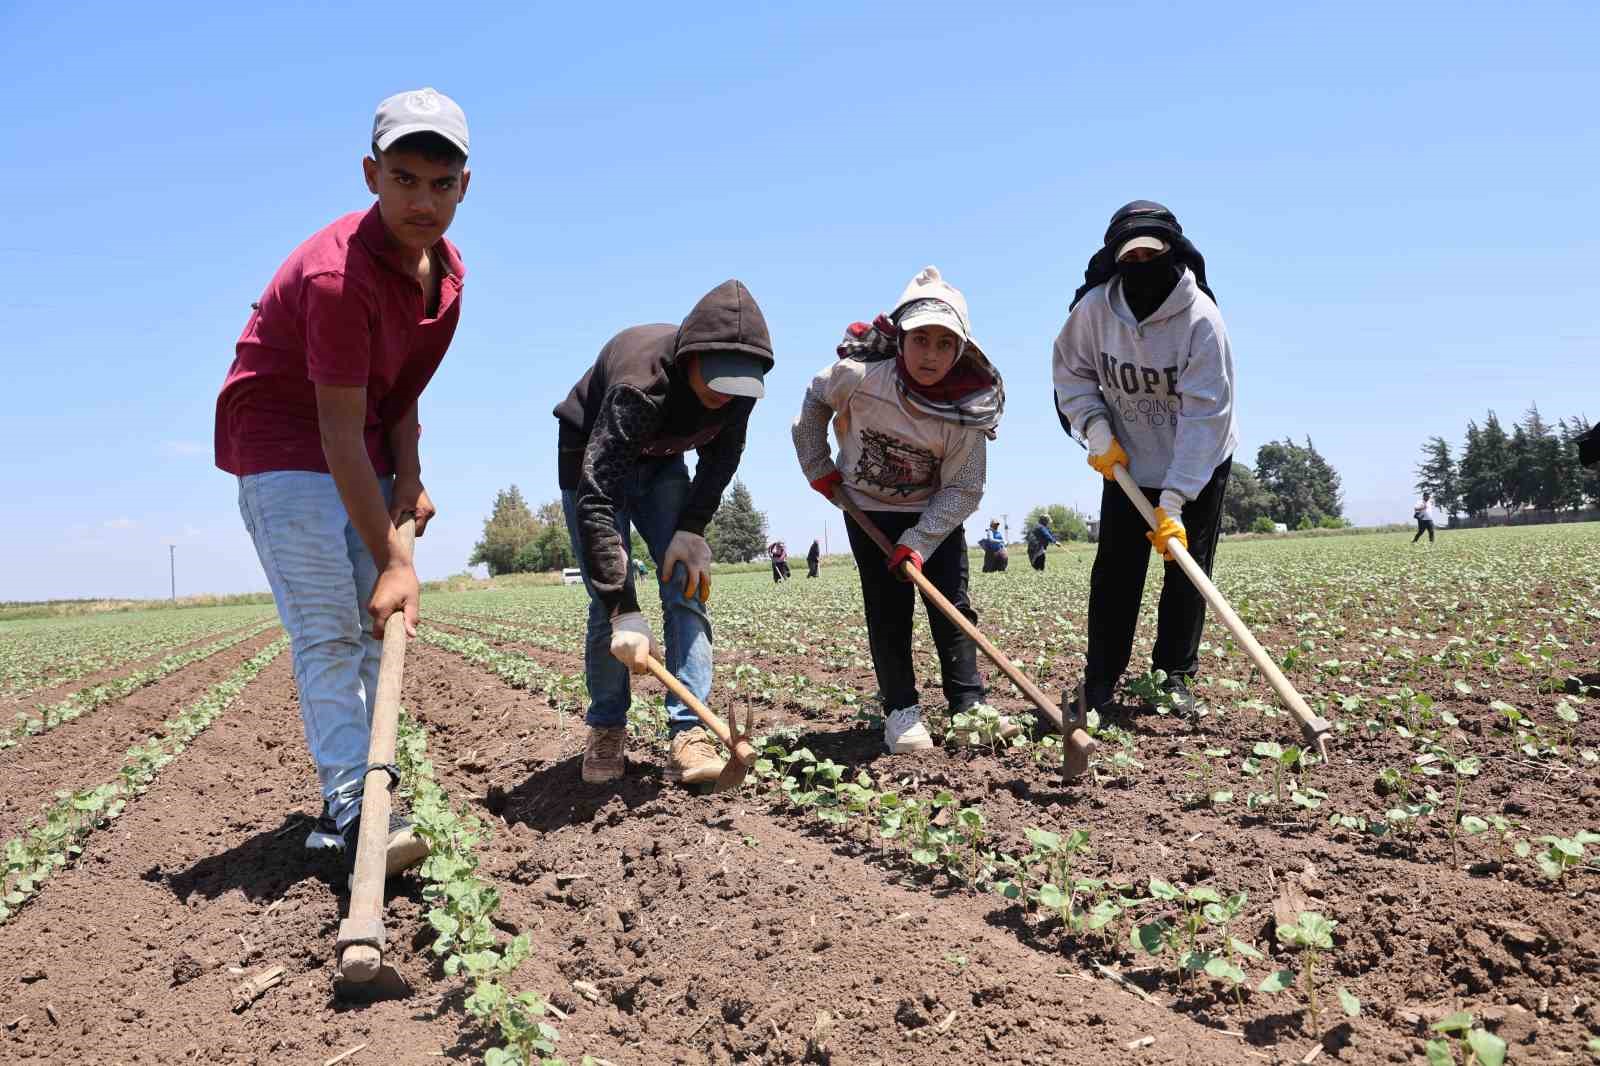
x=361 y=961
x=742 y=749
x=1315 y=727
x=1035 y=694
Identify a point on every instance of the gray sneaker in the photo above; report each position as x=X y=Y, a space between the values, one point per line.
x=325 y=835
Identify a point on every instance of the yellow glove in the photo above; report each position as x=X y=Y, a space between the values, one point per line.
x=1107 y=461
x=1167 y=527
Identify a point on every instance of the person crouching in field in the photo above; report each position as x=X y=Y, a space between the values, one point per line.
x=654 y=393
x=1144 y=372
x=318 y=421
x=993 y=544
x=914 y=403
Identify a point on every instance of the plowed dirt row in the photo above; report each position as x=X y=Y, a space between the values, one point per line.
x=89 y=750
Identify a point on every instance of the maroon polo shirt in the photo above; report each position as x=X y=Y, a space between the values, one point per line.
x=344 y=309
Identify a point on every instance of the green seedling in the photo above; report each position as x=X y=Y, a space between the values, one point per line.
x=1464 y=768
x=1563 y=853
x=1281 y=759
x=1058 y=854
x=1478 y=1046
x=1312 y=934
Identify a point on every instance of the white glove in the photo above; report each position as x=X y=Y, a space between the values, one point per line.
x=1172 y=502
x=694 y=553
x=631 y=641
x=1098 y=436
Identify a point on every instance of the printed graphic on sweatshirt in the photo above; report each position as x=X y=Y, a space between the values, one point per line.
x=900 y=469
x=1144 y=395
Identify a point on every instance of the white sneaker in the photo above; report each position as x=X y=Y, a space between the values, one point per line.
x=903 y=731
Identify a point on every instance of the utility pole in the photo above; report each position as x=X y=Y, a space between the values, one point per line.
x=172 y=569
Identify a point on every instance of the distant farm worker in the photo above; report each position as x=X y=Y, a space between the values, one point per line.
x=1039 y=540
x=318 y=420
x=780 y=561
x=813 y=559
x=914 y=403
x=654 y=393
x=1144 y=372
x=1423 y=512
x=994 y=549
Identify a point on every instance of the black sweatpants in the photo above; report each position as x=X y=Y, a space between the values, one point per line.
x=889 y=606
x=1116 y=584
x=1424 y=525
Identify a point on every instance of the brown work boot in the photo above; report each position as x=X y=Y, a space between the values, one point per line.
x=695 y=758
x=603 y=760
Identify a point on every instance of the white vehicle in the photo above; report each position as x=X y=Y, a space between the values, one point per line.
x=572 y=576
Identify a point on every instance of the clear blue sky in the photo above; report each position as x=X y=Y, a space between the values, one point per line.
x=1396 y=202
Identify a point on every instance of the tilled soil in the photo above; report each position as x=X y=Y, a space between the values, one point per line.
x=734 y=928
x=89 y=750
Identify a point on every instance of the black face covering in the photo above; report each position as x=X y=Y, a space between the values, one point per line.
x=1147 y=285
x=1144 y=218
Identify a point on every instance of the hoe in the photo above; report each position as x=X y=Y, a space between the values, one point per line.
x=1078 y=744
x=362 y=969
x=1314 y=726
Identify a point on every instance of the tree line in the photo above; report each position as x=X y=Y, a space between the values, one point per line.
x=519 y=539
x=1534 y=465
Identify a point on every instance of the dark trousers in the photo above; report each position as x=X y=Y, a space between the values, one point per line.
x=811 y=567
x=1424 y=525
x=780 y=570
x=1116 y=584
x=890 y=603
x=994 y=562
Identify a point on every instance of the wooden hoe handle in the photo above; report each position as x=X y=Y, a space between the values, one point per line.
x=1315 y=727
x=738 y=744
x=360 y=943
x=1077 y=738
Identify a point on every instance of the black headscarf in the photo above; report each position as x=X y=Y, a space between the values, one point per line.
x=1144 y=218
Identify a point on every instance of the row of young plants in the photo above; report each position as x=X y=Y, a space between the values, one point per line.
x=566 y=692
x=85 y=701
x=40 y=653
x=1191 y=930
x=56 y=839
x=461 y=911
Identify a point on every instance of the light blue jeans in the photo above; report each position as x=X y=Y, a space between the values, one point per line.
x=321 y=576
x=654 y=495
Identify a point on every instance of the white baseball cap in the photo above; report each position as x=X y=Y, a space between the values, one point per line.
x=1155 y=244
x=419 y=111
x=929 y=300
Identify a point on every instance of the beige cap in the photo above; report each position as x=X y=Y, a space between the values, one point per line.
x=929 y=300
x=1155 y=244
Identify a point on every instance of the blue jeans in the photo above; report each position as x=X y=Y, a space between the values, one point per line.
x=321 y=576
x=653 y=496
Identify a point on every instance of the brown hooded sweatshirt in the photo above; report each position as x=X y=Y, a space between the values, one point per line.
x=636 y=403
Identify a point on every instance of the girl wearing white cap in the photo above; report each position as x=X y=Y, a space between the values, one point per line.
x=1144 y=373
x=914 y=403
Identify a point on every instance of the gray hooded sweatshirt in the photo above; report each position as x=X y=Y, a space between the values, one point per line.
x=1165 y=385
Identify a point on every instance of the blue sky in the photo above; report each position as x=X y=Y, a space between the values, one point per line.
x=1395 y=202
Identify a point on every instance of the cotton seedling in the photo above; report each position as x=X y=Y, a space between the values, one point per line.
x=1205 y=770
x=1312 y=934
x=1464 y=768
x=1478 y=1047
x=1281 y=759
x=1563 y=853
x=1058 y=854
x=979 y=724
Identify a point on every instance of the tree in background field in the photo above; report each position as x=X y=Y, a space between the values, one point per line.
x=1065 y=523
x=1305 y=489
x=1245 y=502
x=1436 y=475
x=738 y=532
x=1535 y=465
x=1583 y=482
x=509 y=529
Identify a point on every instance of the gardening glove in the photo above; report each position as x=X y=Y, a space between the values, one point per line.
x=1169 y=523
x=903 y=554
x=694 y=553
x=828 y=484
x=1105 y=453
x=631 y=641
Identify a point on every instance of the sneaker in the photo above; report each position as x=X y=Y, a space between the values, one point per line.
x=903 y=731
x=695 y=758
x=1085 y=698
x=325 y=835
x=603 y=760
x=1183 y=701
x=406 y=849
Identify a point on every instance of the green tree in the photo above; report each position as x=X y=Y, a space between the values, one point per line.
x=509 y=528
x=1436 y=475
x=1546 y=477
x=1586 y=478
x=1246 y=501
x=1303 y=485
x=550 y=549
x=1065 y=523
x=738 y=532
x=1475 y=484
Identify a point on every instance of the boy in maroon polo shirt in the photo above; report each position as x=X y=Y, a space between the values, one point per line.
x=318 y=420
